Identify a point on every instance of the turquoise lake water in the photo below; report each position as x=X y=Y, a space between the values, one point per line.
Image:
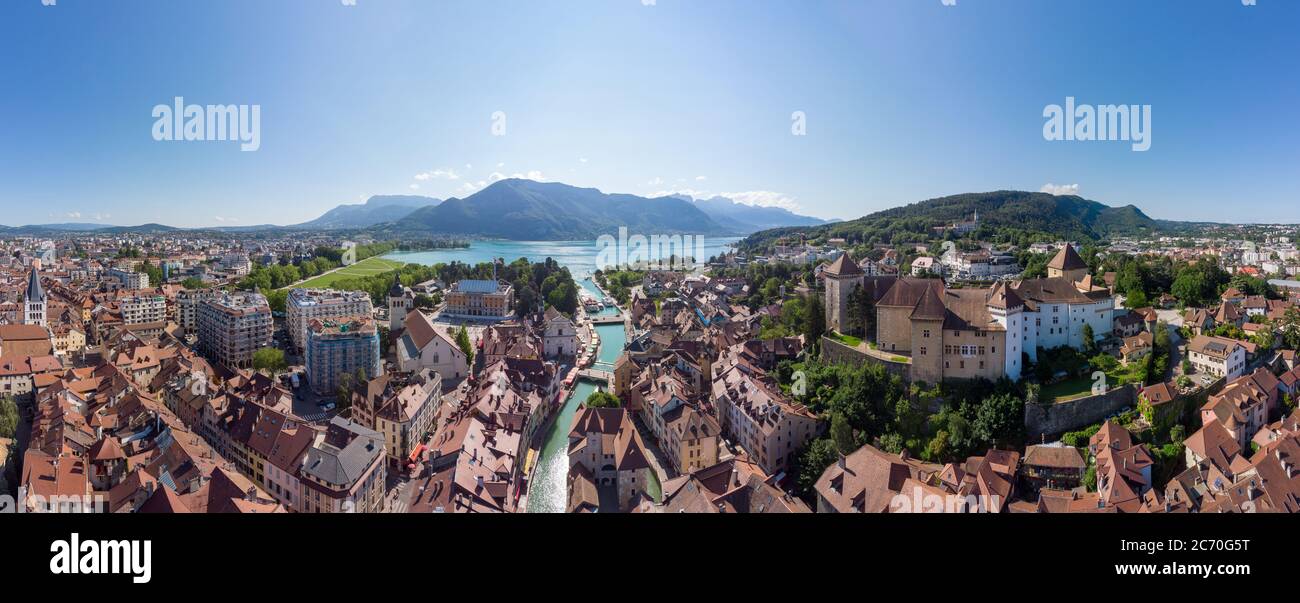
x=579 y=256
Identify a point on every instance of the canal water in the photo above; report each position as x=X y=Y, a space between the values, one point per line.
x=548 y=483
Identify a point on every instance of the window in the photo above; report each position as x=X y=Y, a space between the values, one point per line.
x=925 y=333
x=922 y=350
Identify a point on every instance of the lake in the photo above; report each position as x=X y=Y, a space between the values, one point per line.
x=580 y=257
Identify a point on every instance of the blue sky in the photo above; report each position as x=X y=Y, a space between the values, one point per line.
x=905 y=100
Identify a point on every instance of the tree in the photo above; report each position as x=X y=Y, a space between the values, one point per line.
x=812 y=461
x=862 y=313
x=192 y=282
x=1136 y=299
x=463 y=342
x=269 y=359
x=1000 y=419
x=842 y=434
x=8 y=418
x=344 y=393
x=1089 y=341
x=601 y=399
x=424 y=301
x=814 y=323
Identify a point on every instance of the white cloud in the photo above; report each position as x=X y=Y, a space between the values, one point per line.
x=764 y=199
x=494 y=176
x=415 y=187
x=755 y=198
x=689 y=192
x=447 y=174
x=73 y=215
x=1060 y=189
x=470 y=187
x=530 y=175
x=582 y=160
x=701 y=178
x=221 y=219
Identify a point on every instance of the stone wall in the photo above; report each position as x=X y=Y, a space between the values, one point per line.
x=1054 y=419
x=835 y=352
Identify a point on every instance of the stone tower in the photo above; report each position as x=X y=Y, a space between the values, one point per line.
x=842 y=277
x=1068 y=265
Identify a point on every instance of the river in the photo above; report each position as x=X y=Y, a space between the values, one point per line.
x=548 y=487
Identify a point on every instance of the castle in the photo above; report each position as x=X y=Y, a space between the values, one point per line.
x=977 y=332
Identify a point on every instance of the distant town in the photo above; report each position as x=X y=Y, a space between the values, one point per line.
x=968 y=370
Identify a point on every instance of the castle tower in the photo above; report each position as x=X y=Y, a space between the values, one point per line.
x=34 y=301
x=1068 y=265
x=842 y=277
x=1006 y=308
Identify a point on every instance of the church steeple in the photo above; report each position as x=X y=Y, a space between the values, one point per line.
x=34 y=300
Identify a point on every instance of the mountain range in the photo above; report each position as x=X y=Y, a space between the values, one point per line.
x=376 y=210
x=522 y=210
x=743 y=218
x=528 y=210
x=1055 y=216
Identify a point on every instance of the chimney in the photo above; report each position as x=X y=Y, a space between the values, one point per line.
x=843 y=462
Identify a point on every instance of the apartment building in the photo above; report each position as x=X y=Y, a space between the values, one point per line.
x=305 y=305
x=143 y=309
x=187 y=308
x=1218 y=356
x=232 y=327
x=129 y=279
x=402 y=410
x=343 y=470
x=1244 y=405
x=755 y=415
x=341 y=346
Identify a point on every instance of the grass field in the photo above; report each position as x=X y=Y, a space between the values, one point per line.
x=367 y=267
x=1067 y=390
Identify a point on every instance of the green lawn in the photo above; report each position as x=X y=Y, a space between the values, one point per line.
x=1069 y=389
x=367 y=267
x=848 y=340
